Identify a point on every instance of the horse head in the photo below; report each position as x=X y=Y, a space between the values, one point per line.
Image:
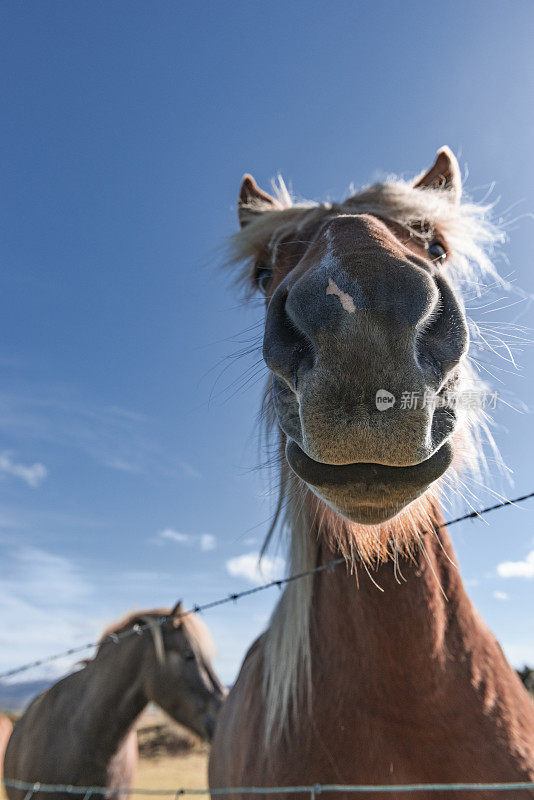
x=177 y=672
x=365 y=335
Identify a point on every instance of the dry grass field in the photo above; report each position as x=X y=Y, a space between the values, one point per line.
x=173 y=772
x=170 y=757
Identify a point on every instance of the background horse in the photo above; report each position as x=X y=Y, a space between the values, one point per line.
x=82 y=730
x=380 y=671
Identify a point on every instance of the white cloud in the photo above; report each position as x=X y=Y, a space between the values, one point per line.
x=42 y=607
x=44 y=577
x=249 y=566
x=50 y=602
x=500 y=595
x=207 y=542
x=33 y=474
x=174 y=536
x=518 y=569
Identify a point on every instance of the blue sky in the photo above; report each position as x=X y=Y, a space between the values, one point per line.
x=127 y=439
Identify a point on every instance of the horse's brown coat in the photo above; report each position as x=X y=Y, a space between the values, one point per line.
x=408 y=686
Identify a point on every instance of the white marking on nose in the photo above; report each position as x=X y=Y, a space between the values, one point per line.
x=345 y=299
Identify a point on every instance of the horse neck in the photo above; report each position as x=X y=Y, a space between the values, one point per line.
x=400 y=628
x=115 y=695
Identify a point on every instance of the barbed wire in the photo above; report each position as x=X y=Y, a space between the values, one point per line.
x=139 y=629
x=313 y=790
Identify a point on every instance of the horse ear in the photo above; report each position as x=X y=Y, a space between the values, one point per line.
x=443 y=174
x=253 y=201
x=177 y=609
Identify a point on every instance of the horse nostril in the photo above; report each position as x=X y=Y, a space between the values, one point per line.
x=445 y=339
x=431 y=366
x=286 y=350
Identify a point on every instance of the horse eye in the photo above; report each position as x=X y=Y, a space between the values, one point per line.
x=264 y=278
x=189 y=655
x=436 y=251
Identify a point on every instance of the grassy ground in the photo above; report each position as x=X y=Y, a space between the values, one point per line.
x=188 y=771
x=170 y=756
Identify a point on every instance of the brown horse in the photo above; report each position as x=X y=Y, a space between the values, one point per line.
x=380 y=671
x=6 y=726
x=81 y=731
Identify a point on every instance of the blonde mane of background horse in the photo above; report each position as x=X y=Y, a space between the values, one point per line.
x=471 y=237
x=195 y=627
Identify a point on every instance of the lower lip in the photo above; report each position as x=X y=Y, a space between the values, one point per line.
x=369 y=479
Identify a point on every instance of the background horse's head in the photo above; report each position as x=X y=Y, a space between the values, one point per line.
x=365 y=336
x=175 y=670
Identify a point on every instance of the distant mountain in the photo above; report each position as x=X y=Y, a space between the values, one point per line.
x=14 y=697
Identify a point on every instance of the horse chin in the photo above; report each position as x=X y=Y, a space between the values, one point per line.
x=366 y=493
x=367 y=514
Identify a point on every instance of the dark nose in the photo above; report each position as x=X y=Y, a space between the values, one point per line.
x=374 y=321
x=342 y=330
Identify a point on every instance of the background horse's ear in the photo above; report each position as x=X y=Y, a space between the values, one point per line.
x=443 y=174
x=253 y=201
x=177 y=609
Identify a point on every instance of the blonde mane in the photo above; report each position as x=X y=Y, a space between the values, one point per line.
x=194 y=627
x=472 y=238
x=466 y=226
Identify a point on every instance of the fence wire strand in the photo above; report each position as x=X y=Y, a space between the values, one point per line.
x=115 y=638
x=312 y=790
